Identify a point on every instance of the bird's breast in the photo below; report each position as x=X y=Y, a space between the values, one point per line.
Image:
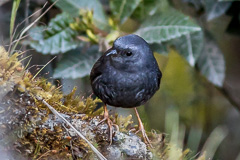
x=123 y=89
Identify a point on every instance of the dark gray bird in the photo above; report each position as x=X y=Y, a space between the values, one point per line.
x=127 y=75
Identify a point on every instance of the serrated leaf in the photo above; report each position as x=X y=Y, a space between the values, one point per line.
x=211 y=63
x=122 y=9
x=189 y=46
x=215 y=9
x=166 y=26
x=74 y=6
x=77 y=63
x=58 y=37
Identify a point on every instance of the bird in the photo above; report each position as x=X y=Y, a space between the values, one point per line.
x=126 y=75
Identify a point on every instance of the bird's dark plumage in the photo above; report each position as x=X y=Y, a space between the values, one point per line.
x=127 y=75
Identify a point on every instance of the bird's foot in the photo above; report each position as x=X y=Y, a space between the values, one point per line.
x=144 y=135
x=141 y=129
x=110 y=125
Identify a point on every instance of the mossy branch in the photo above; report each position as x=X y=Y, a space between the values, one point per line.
x=68 y=123
x=27 y=107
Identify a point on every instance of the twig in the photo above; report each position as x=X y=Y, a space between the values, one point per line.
x=43 y=154
x=19 y=39
x=26 y=66
x=43 y=67
x=35 y=66
x=15 y=30
x=229 y=98
x=100 y=156
x=25 y=58
x=226 y=94
x=25 y=37
x=28 y=27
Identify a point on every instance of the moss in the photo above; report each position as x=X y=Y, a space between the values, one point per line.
x=10 y=71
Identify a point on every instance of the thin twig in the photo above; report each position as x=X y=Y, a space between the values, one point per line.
x=229 y=98
x=36 y=65
x=224 y=91
x=26 y=36
x=100 y=156
x=43 y=154
x=28 y=27
x=15 y=30
x=19 y=39
x=43 y=67
x=25 y=58
x=26 y=66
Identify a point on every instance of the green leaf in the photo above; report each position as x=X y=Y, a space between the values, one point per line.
x=77 y=63
x=160 y=48
x=211 y=63
x=13 y=15
x=215 y=9
x=148 y=8
x=74 y=6
x=189 y=46
x=122 y=9
x=57 y=38
x=166 y=26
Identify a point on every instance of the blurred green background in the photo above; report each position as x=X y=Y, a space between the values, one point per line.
x=196 y=44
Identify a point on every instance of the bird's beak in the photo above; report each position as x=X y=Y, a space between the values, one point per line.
x=111 y=52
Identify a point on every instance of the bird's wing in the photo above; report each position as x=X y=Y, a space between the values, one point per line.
x=97 y=69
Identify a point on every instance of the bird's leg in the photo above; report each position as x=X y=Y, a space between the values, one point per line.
x=141 y=129
x=106 y=115
x=109 y=122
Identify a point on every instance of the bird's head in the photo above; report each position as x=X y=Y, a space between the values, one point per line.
x=130 y=53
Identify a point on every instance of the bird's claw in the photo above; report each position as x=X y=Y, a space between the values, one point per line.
x=110 y=125
x=103 y=120
x=144 y=135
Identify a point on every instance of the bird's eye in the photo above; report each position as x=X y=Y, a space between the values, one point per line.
x=128 y=53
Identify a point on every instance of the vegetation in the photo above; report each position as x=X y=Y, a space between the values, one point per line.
x=186 y=113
